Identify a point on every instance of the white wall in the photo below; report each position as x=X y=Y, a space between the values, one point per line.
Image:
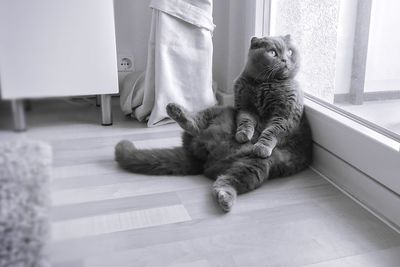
x=132 y=23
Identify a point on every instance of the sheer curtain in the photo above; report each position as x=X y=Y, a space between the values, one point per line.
x=179 y=62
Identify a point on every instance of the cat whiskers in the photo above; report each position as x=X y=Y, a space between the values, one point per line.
x=264 y=73
x=274 y=70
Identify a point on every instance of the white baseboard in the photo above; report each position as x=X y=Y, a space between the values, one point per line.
x=375 y=197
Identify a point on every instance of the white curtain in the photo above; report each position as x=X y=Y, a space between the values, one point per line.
x=179 y=62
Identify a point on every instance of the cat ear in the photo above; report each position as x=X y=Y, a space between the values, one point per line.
x=253 y=40
x=287 y=37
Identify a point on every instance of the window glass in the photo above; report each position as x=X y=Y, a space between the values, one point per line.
x=350 y=54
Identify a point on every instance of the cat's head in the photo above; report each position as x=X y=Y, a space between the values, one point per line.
x=272 y=58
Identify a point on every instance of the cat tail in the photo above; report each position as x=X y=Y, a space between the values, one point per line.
x=168 y=161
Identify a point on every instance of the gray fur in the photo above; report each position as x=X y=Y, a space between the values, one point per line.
x=266 y=135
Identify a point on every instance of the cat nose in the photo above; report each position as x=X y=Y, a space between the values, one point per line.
x=284 y=60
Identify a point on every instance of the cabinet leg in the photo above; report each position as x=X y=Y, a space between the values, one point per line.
x=98 y=100
x=106 y=113
x=18 y=112
x=28 y=105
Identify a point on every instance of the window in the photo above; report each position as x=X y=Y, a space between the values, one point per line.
x=350 y=56
x=351 y=76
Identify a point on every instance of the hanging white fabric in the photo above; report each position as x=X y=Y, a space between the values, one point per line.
x=179 y=62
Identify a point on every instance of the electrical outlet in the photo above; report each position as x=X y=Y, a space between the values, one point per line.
x=125 y=63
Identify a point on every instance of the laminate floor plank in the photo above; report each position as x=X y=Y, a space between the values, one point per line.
x=114 y=206
x=154 y=185
x=205 y=207
x=383 y=258
x=85 y=169
x=114 y=176
x=141 y=238
x=317 y=238
x=307 y=227
x=69 y=264
x=111 y=141
x=199 y=263
x=116 y=222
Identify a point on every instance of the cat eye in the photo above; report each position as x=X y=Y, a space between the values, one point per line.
x=290 y=52
x=272 y=53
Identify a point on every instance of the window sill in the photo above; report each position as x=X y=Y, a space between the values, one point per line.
x=366 y=150
x=358 y=160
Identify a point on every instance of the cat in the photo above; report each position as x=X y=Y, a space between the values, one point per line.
x=266 y=94
x=265 y=135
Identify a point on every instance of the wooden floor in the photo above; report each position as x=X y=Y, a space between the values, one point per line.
x=104 y=216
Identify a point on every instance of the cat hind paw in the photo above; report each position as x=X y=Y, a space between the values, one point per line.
x=225 y=198
x=175 y=112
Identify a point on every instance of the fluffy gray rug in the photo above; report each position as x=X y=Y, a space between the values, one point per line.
x=24 y=203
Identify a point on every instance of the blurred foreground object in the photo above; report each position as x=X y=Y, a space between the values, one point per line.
x=24 y=203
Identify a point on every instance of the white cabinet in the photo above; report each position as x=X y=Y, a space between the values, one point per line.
x=52 y=48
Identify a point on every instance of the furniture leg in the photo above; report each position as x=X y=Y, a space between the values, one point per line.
x=98 y=100
x=18 y=112
x=106 y=113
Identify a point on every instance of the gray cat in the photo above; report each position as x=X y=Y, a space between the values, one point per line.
x=265 y=135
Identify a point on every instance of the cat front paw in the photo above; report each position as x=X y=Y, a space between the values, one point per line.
x=242 y=137
x=262 y=151
x=175 y=112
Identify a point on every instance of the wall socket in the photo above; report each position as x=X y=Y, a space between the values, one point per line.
x=125 y=63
